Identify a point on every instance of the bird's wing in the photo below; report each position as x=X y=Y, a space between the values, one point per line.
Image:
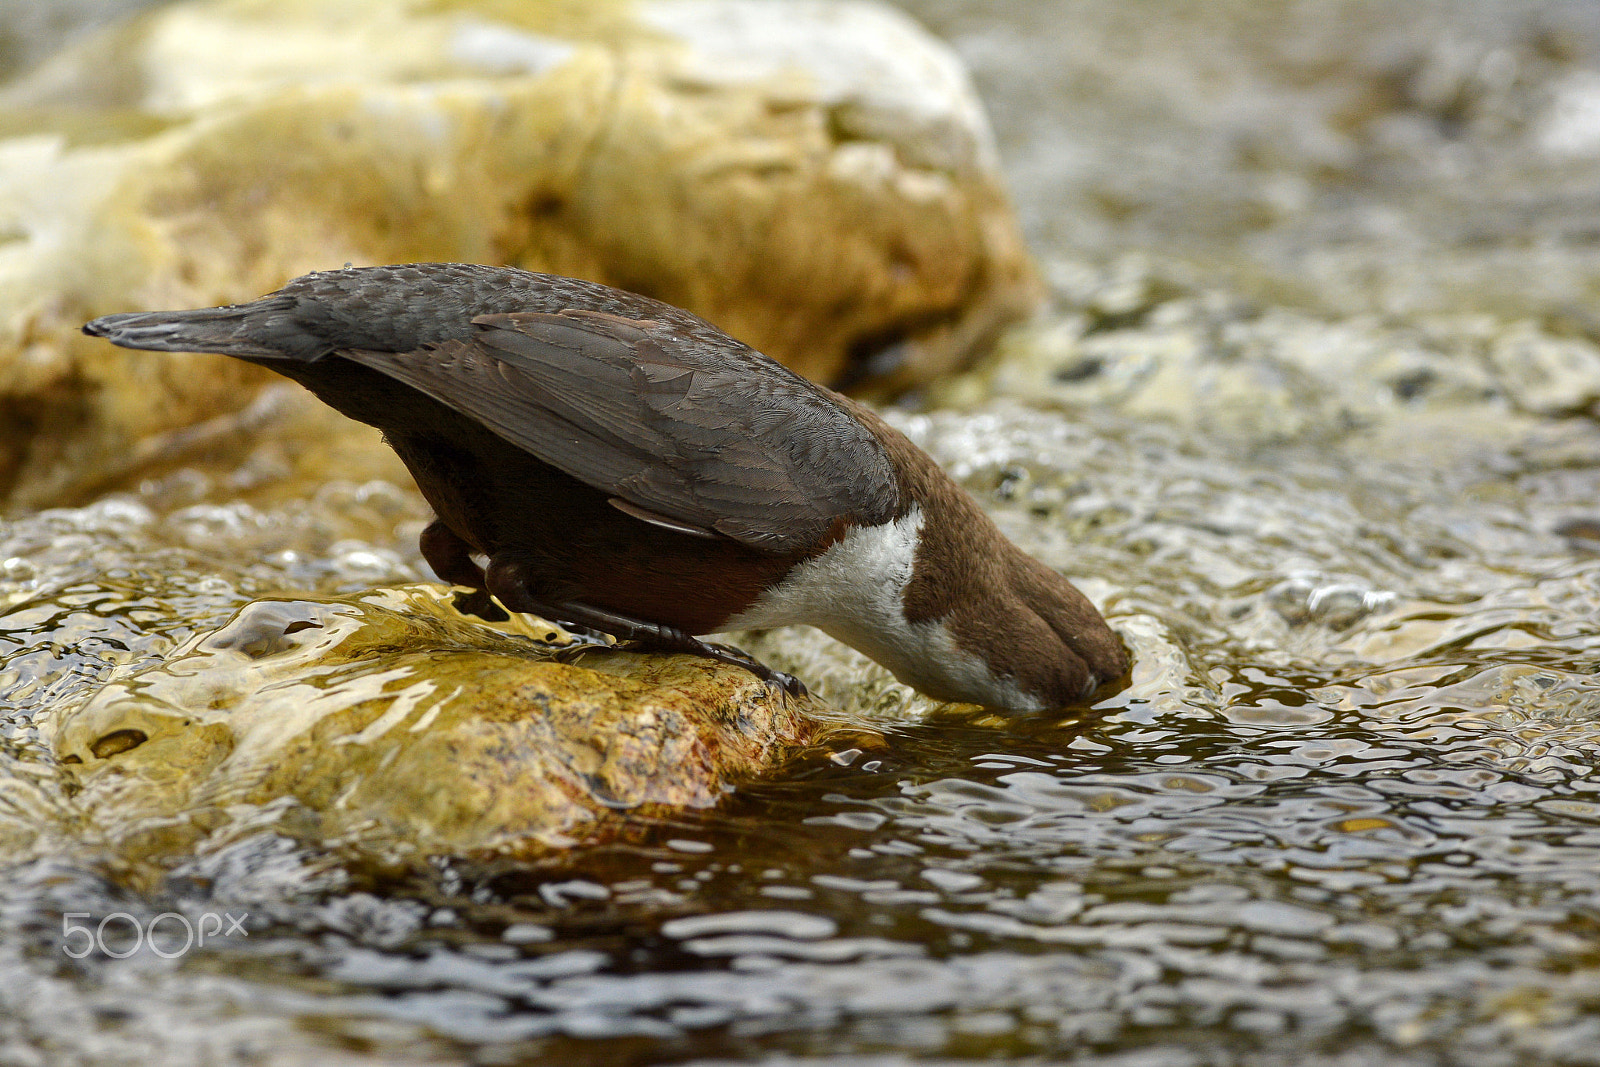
x=706 y=434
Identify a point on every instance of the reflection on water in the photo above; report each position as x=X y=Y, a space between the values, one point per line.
x=1345 y=813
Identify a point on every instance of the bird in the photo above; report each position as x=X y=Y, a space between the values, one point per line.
x=606 y=460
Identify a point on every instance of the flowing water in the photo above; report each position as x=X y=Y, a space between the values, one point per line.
x=1344 y=813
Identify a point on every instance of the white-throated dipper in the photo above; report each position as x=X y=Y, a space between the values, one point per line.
x=627 y=467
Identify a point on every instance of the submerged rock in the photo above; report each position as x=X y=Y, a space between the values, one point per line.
x=389 y=722
x=816 y=178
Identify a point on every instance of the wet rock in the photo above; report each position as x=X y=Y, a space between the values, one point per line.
x=817 y=179
x=388 y=721
x=1547 y=375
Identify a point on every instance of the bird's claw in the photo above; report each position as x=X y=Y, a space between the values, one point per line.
x=733 y=657
x=738 y=657
x=477 y=603
x=787 y=682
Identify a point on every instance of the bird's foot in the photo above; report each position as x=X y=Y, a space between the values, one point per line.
x=503 y=578
x=570 y=654
x=478 y=603
x=740 y=658
x=451 y=559
x=789 y=684
x=734 y=657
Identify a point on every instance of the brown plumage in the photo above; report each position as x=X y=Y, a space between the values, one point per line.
x=624 y=465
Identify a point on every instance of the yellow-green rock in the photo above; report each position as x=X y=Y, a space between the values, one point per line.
x=390 y=722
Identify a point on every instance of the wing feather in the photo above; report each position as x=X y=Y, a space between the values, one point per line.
x=712 y=436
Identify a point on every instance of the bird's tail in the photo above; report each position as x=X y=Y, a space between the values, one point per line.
x=225 y=331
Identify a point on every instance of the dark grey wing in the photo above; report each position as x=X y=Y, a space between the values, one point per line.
x=710 y=434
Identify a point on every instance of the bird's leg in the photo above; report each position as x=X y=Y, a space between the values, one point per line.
x=451 y=559
x=509 y=585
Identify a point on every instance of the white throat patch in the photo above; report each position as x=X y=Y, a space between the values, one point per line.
x=854 y=592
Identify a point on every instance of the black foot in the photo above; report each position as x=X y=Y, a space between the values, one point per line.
x=739 y=657
x=478 y=603
x=506 y=583
x=451 y=559
x=789 y=684
x=734 y=657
